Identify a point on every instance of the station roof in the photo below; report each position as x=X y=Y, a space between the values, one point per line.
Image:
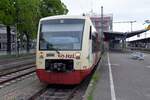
x=130 y=34
x=111 y=34
x=141 y=40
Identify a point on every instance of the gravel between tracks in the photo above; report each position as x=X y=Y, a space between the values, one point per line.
x=64 y=92
x=22 y=90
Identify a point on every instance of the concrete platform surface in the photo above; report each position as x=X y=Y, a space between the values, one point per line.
x=123 y=78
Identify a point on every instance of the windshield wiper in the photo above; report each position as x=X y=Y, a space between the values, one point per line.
x=50 y=46
x=56 y=49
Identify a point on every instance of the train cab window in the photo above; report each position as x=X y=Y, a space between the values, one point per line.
x=61 y=34
x=94 y=48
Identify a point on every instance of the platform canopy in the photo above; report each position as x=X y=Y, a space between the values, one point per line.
x=112 y=35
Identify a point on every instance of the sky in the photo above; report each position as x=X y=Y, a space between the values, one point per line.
x=122 y=10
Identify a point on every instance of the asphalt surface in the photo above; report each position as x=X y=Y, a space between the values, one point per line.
x=131 y=78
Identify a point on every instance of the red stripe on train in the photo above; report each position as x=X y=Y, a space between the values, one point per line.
x=74 y=77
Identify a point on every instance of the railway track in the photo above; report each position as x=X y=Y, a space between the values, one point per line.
x=9 y=67
x=16 y=69
x=9 y=78
x=62 y=92
x=55 y=93
x=6 y=60
x=17 y=62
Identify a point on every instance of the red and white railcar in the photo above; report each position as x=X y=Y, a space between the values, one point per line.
x=68 y=48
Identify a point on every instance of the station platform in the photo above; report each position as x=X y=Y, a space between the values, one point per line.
x=123 y=78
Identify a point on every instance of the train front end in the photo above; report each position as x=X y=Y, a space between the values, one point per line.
x=60 y=54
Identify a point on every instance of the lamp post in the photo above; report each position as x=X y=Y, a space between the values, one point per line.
x=102 y=28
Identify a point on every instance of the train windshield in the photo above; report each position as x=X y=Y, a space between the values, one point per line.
x=61 y=34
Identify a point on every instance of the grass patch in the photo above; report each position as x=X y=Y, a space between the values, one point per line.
x=94 y=80
x=90 y=97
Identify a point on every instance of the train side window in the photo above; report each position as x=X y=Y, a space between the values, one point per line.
x=90 y=35
x=93 y=44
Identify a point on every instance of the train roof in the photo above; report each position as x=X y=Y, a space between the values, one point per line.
x=65 y=17
x=70 y=17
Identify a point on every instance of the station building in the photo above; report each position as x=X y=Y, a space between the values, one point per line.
x=140 y=41
x=3 y=38
x=106 y=25
x=97 y=22
x=120 y=40
x=107 y=22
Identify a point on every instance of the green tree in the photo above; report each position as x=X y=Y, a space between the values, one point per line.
x=28 y=17
x=25 y=15
x=7 y=17
x=29 y=13
x=52 y=7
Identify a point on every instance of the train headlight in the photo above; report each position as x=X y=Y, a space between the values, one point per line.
x=41 y=55
x=78 y=55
